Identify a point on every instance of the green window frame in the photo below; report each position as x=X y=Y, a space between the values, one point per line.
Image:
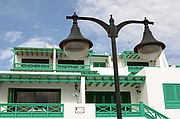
x=106 y=97
x=33 y=96
x=171 y=96
x=99 y=64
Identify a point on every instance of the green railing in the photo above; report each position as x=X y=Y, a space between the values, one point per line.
x=72 y=67
x=128 y=110
x=177 y=66
x=15 y=110
x=49 y=67
x=135 y=68
x=32 y=66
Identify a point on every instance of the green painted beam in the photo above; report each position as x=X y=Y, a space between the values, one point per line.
x=126 y=84
x=90 y=78
x=105 y=84
x=90 y=84
x=111 y=84
x=98 y=84
x=132 y=85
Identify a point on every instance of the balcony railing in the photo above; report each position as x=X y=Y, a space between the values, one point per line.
x=15 y=110
x=56 y=110
x=135 y=69
x=128 y=110
x=32 y=66
x=49 y=67
x=72 y=67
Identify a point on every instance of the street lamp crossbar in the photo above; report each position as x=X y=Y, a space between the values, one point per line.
x=112 y=30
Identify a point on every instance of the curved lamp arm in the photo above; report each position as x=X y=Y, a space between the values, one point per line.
x=111 y=29
x=122 y=24
x=103 y=24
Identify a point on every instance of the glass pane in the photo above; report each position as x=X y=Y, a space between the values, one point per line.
x=46 y=97
x=24 y=97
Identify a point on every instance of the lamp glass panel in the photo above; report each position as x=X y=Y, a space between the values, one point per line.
x=150 y=52
x=76 y=49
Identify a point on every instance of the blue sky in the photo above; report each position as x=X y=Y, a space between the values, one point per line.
x=37 y=22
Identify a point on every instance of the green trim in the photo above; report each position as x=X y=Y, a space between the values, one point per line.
x=14 y=58
x=31 y=110
x=52 y=110
x=23 y=49
x=90 y=59
x=72 y=67
x=128 y=110
x=99 y=64
x=49 y=67
x=94 y=78
x=171 y=96
x=32 y=66
x=10 y=95
x=130 y=55
x=134 y=69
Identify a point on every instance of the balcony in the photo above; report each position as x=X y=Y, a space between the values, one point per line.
x=16 y=110
x=128 y=110
x=108 y=111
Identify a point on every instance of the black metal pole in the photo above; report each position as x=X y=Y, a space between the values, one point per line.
x=112 y=31
x=116 y=79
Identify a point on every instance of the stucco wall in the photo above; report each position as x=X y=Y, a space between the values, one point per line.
x=155 y=77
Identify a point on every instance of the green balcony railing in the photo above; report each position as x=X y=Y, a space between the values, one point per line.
x=72 y=67
x=49 y=67
x=135 y=68
x=128 y=110
x=32 y=66
x=16 y=110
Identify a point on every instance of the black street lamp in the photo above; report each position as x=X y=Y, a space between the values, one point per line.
x=76 y=46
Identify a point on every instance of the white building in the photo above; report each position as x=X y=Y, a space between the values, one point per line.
x=45 y=83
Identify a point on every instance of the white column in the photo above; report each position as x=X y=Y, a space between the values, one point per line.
x=109 y=61
x=54 y=59
x=82 y=91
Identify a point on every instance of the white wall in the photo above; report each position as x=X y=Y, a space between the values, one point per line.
x=78 y=111
x=110 y=71
x=155 y=77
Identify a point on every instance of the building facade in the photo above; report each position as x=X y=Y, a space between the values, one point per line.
x=45 y=83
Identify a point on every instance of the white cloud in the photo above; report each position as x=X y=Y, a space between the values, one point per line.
x=5 y=54
x=12 y=36
x=37 y=42
x=164 y=13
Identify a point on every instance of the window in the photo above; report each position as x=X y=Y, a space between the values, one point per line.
x=71 y=62
x=99 y=64
x=137 y=63
x=40 y=61
x=172 y=96
x=106 y=97
x=20 y=95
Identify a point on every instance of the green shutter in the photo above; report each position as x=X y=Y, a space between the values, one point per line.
x=169 y=93
x=106 y=97
x=11 y=95
x=99 y=64
x=178 y=92
x=172 y=95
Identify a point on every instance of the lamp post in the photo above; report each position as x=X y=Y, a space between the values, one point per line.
x=76 y=46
